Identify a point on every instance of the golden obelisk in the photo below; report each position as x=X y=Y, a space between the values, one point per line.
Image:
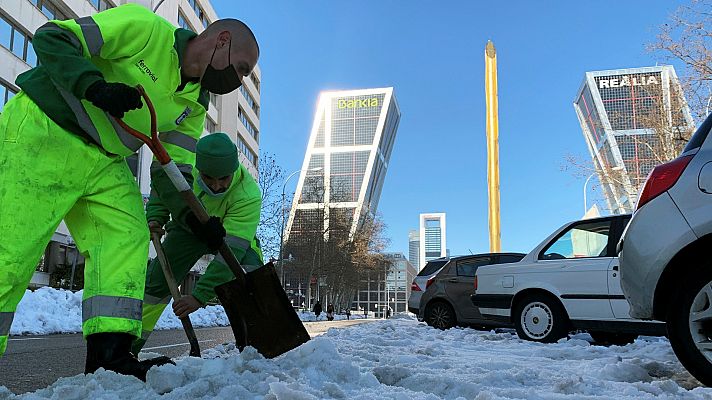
x=492 y=146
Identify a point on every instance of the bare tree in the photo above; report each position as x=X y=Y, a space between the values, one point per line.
x=687 y=38
x=326 y=257
x=271 y=176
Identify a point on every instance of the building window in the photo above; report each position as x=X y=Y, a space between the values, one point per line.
x=17 y=41
x=251 y=157
x=250 y=100
x=210 y=125
x=48 y=8
x=199 y=12
x=247 y=123
x=255 y=80
x=101 y=5
x=6 y=93
x=183 y=21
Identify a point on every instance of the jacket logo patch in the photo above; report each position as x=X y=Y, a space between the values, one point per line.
x=146 y=70
x=183 y=115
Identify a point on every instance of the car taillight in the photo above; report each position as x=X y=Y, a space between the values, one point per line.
x=475 y=282
x=429 y=282
x=415 y=288
x=662 y=178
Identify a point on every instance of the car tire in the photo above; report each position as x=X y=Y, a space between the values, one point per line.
x=541 y=318
x=689 y=325
x=440 y=315
x=613 y=338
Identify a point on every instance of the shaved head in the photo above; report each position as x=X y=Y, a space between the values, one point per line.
x=237 y=29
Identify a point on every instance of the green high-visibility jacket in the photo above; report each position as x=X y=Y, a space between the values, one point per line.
x=239 y=211
x=127 y=44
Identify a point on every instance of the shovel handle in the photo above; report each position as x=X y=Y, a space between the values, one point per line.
x=173 y=287
x=179 y=181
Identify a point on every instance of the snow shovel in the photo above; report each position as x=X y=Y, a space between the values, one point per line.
x=173 y=287
x=259 y=311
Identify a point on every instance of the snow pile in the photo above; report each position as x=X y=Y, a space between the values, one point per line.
x=48 y=310
x=308 y=316
x=403 y=359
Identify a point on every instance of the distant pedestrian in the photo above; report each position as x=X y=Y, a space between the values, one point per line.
x=330 y=312
x=365 y=312
x=388 y=312
x=317 y=309
x=348 y=314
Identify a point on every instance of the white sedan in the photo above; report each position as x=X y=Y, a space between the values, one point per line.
x=569 y=281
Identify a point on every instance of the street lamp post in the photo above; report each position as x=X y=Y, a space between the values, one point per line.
x=585 y=206
x=281 y=232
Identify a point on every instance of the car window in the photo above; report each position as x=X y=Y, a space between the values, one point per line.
x=583 y=240
x=510 y=258
x=432 y=267
x=469 y=267
x=700 y=135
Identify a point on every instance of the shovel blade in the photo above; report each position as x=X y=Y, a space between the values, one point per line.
x=260 y=313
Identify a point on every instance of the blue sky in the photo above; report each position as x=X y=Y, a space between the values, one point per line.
x=432 y=53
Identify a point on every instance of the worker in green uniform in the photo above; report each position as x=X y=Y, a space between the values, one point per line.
x=62 y=156
x=230 y=194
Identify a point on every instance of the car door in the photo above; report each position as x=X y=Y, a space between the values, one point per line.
x=460 y=284
x=576 y=264
x=619 y=304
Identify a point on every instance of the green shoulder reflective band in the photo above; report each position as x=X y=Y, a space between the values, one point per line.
x=92 y=34
x=184 y=168
x=49 y=26
x=234 y=241
x=111 y=306
x=153 y=300
x=179 y=139
x=6 y=322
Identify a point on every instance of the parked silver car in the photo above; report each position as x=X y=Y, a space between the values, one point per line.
x=446 y=300
x=423 y=280
x=665 y=253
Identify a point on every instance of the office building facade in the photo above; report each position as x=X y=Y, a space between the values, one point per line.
x=632 y=120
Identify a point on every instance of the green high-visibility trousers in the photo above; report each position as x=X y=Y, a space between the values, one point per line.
x=48 y=174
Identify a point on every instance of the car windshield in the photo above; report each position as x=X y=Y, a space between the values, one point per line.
x=700 y=135
x=432 y=267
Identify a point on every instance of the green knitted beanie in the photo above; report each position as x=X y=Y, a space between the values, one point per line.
x=216 y=155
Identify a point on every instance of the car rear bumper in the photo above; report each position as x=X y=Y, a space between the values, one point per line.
x=492 y=300
x=646 y=250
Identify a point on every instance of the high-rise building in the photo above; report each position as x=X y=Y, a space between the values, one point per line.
x=414 y=248
x=236 y=113
x=346 y=160
x=632 y=120
x=383 y=288
x=432 y=237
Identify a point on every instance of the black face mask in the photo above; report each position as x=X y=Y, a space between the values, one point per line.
x=221 y=81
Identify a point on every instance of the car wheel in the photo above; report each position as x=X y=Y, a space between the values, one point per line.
x=540 y=318
x=610 y=338
x=689 y=325
x=440 y=315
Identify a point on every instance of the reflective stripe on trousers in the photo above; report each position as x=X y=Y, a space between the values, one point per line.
x=112 y=307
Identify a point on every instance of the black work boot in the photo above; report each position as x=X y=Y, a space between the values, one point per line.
x=111 y=351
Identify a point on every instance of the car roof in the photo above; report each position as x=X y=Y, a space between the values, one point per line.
x=486 y=255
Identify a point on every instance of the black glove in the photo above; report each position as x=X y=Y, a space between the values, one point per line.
x=211 y=232
x=115 y=98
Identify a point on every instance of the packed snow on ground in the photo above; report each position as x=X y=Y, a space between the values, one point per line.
x=47 y=310
x=403 y=359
